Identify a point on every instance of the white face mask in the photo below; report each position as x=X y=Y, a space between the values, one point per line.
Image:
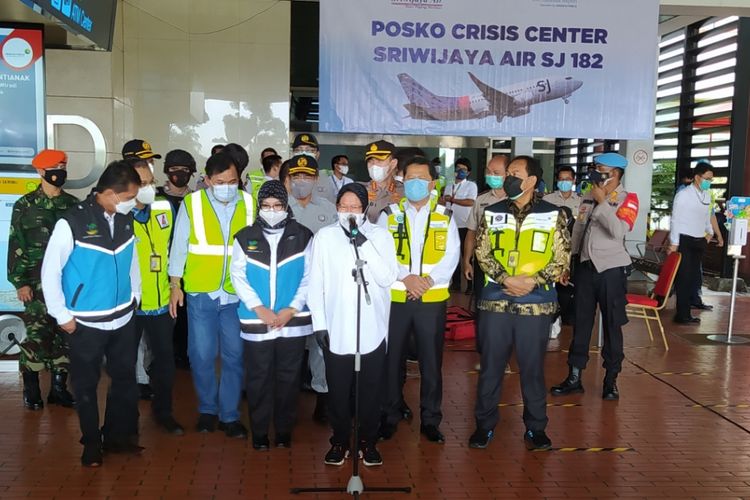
x=225 y=192
x=125 y=207
x=377 y=173
x=344 y=219
x=306 y=153
x=272 y=217
x=146 y=194
x=344 y=169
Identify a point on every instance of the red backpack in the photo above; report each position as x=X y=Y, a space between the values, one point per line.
x=459 y=324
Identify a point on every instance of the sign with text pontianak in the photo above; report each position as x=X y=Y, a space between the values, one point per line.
x=542 y=68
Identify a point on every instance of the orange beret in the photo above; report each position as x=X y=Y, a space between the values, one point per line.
x=49 y=158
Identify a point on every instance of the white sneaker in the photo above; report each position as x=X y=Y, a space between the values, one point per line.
x=554 y=331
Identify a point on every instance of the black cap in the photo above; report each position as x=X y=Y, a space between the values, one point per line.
x=303 y=164
x=379 y=149
x=138 y=149
x=179 y=158
x=305 y=140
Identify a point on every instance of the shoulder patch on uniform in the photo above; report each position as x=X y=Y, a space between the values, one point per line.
x=628 y=211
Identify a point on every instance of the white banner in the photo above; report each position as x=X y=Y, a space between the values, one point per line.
x=542 y=68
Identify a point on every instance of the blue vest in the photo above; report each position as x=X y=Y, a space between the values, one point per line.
x=96 y=279
x=275 y=286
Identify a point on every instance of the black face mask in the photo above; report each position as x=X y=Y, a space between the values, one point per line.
x=180 y=179
x=512 y=187
x=56 y=176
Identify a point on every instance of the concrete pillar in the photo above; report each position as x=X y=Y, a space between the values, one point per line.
x=522 y=146
x=638 y=176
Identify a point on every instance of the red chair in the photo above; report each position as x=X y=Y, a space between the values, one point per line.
x=640 y=306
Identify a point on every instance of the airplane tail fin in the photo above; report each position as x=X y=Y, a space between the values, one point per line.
x=415 y=92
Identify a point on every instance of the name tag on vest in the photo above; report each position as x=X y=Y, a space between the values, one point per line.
x=441 y=224
x=498 y=220
x=162 y=220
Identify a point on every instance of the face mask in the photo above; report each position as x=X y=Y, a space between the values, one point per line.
x=179 y=179
x=125 y=207
x=416 y=189
x=494 y=181
x=225 y=192
x=306 y=153
x=344 y=169
x=377 y=173
x=344 y=219
x=462 y=174
x=56 y=176
x=301 y=189
x=146 y=194
x=512 y=186
x=705 y=184
x=565 y=186
x=272 y=217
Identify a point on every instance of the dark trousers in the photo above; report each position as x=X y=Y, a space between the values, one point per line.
x=607 y=289
x=427 y=321
x=180 y=338
x=499 y=333
x=340 y=375
x=88 y=346
x=689 y=274
x=565 y=297
x=158 y=331
x=456 y=282
x=273 y=369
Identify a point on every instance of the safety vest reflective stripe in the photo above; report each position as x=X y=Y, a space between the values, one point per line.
x=199 y=226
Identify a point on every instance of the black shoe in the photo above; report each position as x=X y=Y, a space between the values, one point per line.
x=386 y=431
x=58 y=393
x=181 y=362
x=32 y=395
x=536 y=440
x=370 y=455
x=406 y=413
x=432 y=433
x=170 y=425
x=261 y=443
x=481 y=439
x=320 y=414
x=92 y=455
x=572 y=384
x=686 y=321
x=122 y=447
x=336 y=455
x=283 y=440
x=206 y=423
x=233 y=429
x=145 y=392
x=702 y=307
x=610 y=391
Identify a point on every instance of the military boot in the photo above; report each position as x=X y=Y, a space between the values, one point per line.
x=32 y=395
x=58 y=393
x=570 y=385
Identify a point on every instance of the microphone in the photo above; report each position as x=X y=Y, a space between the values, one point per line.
x=353 y=225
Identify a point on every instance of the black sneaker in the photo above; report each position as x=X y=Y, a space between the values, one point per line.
x=261 y=443
x=406 y=413
x=481 y=439
x=386 y=431
x=336 y=455
x=370 y=455
x=206 y=423
x=170 y=425
x=124 y=447
x=610 y=391
x=432 y=433
x=536 y=440
x=283 y=440
x=233 y=429
x=92 y=455
x=145 y=392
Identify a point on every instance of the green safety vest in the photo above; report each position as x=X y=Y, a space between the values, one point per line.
x=527 y=250
x=209 y=253
x=152 y=241
x=435 y=242
x=256 y=179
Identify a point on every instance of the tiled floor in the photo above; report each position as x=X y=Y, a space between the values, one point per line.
x=679 y=450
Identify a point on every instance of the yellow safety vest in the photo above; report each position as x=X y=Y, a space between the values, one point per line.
x=433 y=250
x=209 y=252
x=528 y=250
x=256 y=180
x=152 y=242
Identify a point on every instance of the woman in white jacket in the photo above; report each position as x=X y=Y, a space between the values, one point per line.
x=333 y=303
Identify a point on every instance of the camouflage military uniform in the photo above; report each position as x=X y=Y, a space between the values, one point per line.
x=34 y=217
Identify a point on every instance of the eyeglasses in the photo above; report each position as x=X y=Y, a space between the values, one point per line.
x=350 y=208
x=276 y=207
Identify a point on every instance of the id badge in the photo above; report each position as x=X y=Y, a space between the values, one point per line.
x=513 y=258
x=155 y=263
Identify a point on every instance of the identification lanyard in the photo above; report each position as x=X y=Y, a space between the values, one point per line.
x=155 y=259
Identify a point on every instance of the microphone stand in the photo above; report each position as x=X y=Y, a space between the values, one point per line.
x=13 y=342
x=355 y=486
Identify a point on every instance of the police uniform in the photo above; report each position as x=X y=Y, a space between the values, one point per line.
x=388 y=192
x=153 y=229
x=601 y=271
x=427 y=244
x=512 y=241
x=34 y=216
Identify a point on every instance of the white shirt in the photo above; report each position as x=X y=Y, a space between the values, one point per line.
x=245 y=290
x=691 y=214
x=333 y=291
x=58 y=252
x=443 y=270
x=463 y=190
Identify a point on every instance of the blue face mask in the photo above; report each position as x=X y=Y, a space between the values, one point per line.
x=565 y=186
x=705 y=184
x=494 y=181
x=416 y=189
x=462 y=174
